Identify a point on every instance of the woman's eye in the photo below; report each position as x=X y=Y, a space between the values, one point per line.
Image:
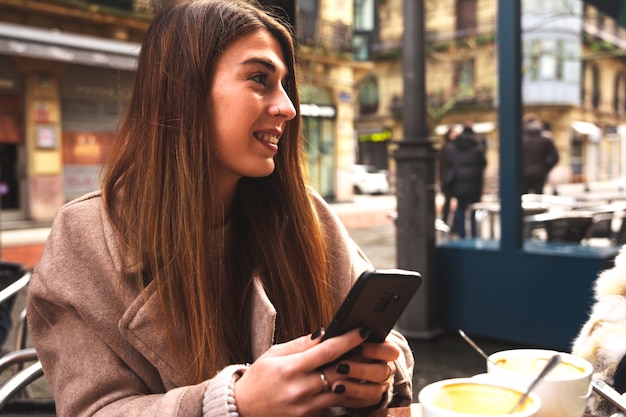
x=259 y=78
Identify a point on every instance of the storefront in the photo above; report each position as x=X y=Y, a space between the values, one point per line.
x=373 y=148
x=585 y=151
x=11 y=141
x=319 y=127
x=60 y=99
x=91 y=103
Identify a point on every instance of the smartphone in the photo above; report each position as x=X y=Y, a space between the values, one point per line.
x=376 y=300
x=610 y=394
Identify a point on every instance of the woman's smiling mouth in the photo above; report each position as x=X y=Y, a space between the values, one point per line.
x=268 y=137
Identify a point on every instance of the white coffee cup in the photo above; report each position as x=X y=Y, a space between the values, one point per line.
x=458 y=397
x=564 y=392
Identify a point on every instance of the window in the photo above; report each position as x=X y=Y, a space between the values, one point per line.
x=548 y=60
x=535 y=55
x=360 y=47
x=552 y=59
x=465 y=75
x=364 y=17
x=466 y=17
x=368 y=95
x=364 y=28
x=595 y=94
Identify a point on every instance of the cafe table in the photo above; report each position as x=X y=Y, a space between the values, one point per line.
x=415 y=410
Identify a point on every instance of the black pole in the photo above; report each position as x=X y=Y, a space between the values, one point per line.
x=415 y=185
x=510 y=122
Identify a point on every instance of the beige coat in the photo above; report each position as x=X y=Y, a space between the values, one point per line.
x=101 y=351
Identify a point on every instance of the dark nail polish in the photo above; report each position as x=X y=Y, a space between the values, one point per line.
x=316 y=334
x=339 y=389
x=364 y=332
x=343 y=368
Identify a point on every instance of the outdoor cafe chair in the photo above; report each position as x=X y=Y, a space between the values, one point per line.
x=549 y=202
x=568 y=226
x=607 y=227
x=20 y=367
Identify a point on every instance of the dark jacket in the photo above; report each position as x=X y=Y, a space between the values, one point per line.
x=468 y=162
x=540 y=154
x=445 y=185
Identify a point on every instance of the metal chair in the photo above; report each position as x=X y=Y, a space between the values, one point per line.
x=21 y=364
x=608 y=228
x=568 y=226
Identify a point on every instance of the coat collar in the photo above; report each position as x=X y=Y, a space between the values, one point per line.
x=137 y=326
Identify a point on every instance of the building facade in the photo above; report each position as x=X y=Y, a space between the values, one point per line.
x=66 y=72
x=573 y=77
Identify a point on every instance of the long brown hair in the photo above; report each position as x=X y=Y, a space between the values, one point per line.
x=158 y=192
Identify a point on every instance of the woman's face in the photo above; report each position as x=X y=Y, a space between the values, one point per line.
x=246 y=96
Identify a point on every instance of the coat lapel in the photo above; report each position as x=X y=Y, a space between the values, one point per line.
x=138 y=326
x=263 y=319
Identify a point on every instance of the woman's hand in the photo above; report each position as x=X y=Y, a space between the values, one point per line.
x=303 y=376
x=365 y=375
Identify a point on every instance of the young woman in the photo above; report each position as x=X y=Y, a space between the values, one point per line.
x=191 y=284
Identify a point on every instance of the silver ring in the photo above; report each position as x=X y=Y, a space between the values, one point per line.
x=278 y=114
x=325 y=383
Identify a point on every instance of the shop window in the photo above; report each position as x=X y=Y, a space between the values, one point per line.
x=369 y=96
x=11 y=118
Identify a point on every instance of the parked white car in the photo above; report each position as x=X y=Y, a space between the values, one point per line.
x=368 y=179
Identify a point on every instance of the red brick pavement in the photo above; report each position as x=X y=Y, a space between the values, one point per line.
x=27 y=255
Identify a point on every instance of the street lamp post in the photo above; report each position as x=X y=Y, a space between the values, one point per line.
x=415 y=185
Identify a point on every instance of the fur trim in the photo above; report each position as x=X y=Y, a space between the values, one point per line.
x=602 y=339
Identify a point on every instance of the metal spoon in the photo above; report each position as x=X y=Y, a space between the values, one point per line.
x=550 y=365
x=475 y=346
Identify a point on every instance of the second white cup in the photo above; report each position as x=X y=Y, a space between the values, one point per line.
x=564 y=392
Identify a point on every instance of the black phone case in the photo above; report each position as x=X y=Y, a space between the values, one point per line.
x=376 y=300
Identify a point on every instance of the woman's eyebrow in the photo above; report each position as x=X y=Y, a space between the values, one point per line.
x=265 y=62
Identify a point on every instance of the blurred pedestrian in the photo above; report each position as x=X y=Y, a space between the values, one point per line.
x=446 y=176
x=197 y=282
x=539 y=155
x=467 y=162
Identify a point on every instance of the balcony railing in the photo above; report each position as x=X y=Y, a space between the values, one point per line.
x=438 y=39
x=330 y=36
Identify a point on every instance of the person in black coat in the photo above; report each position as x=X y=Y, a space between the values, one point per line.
x=445 y=176
x=540 y=155
x=466 y=159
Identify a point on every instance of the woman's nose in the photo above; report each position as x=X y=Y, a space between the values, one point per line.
x=284 y=107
